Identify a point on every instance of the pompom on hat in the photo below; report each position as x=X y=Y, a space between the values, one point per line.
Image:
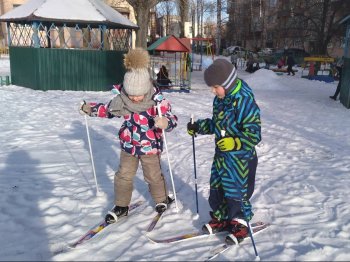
x=221 y=72
x=137 y=80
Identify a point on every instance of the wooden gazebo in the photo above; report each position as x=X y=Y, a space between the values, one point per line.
x=67 y=45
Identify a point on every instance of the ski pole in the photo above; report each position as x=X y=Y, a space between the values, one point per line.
x=257 y=257
x=92 y=158
x=194 y=164
x=167 y=154
x=252 y=238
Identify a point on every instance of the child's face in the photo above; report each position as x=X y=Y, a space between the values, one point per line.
x=136 y=99
x=219 y=91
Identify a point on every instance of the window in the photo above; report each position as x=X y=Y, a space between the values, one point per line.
x=273 y=3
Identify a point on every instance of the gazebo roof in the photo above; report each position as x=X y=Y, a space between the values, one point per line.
x=68 y=12
x=171 y=44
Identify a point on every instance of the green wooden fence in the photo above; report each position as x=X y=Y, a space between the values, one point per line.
x=66 y=69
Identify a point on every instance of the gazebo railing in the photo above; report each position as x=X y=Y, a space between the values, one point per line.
x=63 y=36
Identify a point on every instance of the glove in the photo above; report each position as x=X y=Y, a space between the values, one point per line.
x=192 y=128
x=229 y=143
x=161 y=122
x=85 y=109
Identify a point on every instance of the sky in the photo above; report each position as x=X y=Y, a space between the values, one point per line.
x=49 y=197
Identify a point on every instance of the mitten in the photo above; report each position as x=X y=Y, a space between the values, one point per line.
x=229 y=143
x=85 y=109
x=161 y=122
x=192 y=128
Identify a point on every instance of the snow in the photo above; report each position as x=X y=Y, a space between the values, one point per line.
x=67 y=10
x=48 y=193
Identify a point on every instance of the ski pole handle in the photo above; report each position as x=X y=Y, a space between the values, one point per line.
x=158 y=109
x=223 y=133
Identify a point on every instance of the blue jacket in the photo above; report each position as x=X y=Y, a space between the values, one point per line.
x=239 y=115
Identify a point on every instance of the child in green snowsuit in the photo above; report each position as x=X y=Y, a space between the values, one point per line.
x=237 y=129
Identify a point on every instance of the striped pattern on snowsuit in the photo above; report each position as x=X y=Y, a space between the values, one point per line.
x=233 y=173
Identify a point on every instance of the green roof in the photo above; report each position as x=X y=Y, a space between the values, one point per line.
x=157 y=43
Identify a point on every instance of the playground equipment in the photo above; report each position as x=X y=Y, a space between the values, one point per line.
x=197 y=47
x=318 y=68
x=173 y=53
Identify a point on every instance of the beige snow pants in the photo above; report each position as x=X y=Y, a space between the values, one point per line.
x=124 y=178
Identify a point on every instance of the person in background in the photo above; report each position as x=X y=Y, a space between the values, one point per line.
x=163 y=77
x=281 y=62
x=236 y=125
x=234 y=58
x=141 y=138
x=339 y=66
x=250 y=64
x=290 y=64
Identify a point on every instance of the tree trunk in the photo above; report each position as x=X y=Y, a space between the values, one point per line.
x=193 y=15
x=142 y=21
x=218 y=27
x=184 y=10
x=198 y=17
x=142 y=14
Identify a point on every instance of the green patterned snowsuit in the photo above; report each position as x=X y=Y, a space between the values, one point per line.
x=233 y=173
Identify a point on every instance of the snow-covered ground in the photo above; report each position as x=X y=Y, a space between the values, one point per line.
x=48 y=194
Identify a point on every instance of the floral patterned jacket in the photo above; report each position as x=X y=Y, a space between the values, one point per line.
x=138 y=135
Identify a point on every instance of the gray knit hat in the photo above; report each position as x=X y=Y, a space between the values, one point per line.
x=137 y=80
x=221 y=72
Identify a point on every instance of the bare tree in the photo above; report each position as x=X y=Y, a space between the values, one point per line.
x=322 y=18
x=218 y=26
x=184 y=13
x=142 y=13
x=193 y=18
x=315 y=22
x=165 y=11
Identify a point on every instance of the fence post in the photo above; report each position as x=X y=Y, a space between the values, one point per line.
x=7 y=81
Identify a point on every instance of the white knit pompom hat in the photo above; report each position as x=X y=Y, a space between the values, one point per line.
x=137 y=80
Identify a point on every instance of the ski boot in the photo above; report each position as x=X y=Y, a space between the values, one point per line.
x=239 y=231
x=162 y=206
x=117 y=212
x=215 y=225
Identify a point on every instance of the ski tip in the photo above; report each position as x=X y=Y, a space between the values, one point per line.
x=151 y=240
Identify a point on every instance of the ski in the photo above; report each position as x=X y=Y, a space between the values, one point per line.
x=154 y=222
x=194 y=235
x=224 y=247
x=157 y=217
x=102 y=225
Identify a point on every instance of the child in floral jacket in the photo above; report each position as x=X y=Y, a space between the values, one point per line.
x=140 y=135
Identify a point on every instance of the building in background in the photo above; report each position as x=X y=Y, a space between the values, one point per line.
x=170 y=25
x=5 y=6
x=279 y=24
